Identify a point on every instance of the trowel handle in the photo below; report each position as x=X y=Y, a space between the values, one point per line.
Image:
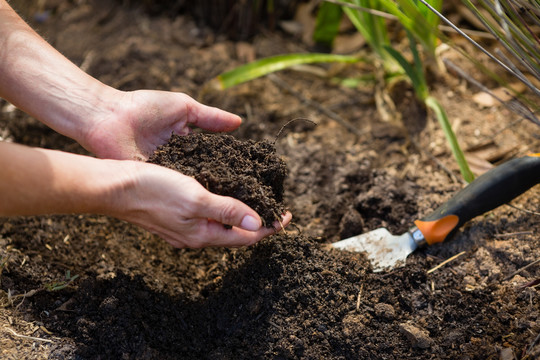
x=490 y=190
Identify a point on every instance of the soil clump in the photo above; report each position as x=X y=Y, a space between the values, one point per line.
x=246 y=170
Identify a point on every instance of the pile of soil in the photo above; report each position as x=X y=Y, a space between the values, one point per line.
x=246 y=170
x=289 y=296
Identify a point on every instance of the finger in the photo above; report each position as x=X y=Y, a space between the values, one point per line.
x=212 y=233
x=211 y=118
x=227 y=210
x=280 y=224
x=217 y=235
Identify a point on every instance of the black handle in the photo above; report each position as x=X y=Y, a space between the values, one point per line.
x=490 y=190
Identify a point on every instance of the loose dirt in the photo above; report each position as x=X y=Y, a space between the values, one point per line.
x=288 y=297
x=248 y=171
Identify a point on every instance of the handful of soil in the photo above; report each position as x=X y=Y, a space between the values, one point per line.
x=246 y=170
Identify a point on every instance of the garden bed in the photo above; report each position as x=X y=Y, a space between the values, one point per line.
x=288 y=297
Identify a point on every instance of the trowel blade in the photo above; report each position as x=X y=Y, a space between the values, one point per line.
x=384 y=250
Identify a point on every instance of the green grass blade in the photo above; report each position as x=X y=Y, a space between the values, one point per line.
x=373 y=29
x=440 y=113
x=272 y=64
x=429 y=15
x=414 y=17
x=417 y=77
x=418 y=65
x=368 y=24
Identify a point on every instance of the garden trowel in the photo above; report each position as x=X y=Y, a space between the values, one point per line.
x=490 y=190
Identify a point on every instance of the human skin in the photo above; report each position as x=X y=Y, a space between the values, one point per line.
x=120 y=128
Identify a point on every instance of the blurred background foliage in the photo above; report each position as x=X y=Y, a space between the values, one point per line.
x=396 y=40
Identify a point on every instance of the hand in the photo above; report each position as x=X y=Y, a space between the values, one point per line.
x=116 y=125
x=140 y=121
x=182 y=212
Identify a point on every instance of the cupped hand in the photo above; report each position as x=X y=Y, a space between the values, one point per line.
x=182 y=212
x=139 y=121
x=171 y=205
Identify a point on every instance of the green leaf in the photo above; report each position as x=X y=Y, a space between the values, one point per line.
x=418 y=19
x=373 y=29
x=327 y=24
x=416 y=76
x=272 y=64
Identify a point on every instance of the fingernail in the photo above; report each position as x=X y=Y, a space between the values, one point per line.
x=250 y=223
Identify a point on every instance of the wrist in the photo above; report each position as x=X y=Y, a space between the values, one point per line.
x=100 y=103
x=114 y=188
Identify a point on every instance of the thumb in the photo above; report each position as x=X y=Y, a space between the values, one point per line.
x=230 y=211
x=210 y=118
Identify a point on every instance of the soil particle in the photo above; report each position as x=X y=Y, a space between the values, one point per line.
x=507 y=354
x=417 y=337
x=246 y=170
x=385 y=311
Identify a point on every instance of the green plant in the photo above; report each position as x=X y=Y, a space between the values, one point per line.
x=421 y=25
x=272 y=64
x=59 y=285
x=327 y=25
x=370 y=18
x=514 y=24
x=374 y=30
x=415 y=73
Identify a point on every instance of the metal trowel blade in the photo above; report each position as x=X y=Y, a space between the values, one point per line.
x=384 y=250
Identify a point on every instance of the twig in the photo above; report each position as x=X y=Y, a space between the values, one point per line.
x=471 y=32
x=282 y=84
x=531 y=346
x=289 y=122
x=445 y=262
x=249 y=112
x=513 y=234
x=524 y=210
x=511 y=125
x=280 y=224
x=522 y=269
x=27 y=337
x=359 y=298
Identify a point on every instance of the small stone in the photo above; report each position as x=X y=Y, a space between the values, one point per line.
x=417 y=337
x=507 y=354
x=385 y=311
x=469 y=280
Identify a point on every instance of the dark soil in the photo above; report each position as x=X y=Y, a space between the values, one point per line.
x=246 y=170
x=240 y=20
x=289 y=296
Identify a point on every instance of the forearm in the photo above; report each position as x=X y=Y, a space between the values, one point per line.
x=36 y=181
x=45 y=84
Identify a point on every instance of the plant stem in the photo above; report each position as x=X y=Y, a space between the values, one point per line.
x=440 y=113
